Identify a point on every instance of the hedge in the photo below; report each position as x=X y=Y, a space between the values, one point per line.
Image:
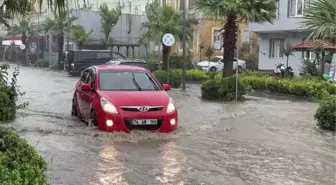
x=311 y=89
x=43 y=63
x=171 y=76
x=224 y=89
x=19 y=162
x=7 y=104
x=326 y=114
x=197 y=75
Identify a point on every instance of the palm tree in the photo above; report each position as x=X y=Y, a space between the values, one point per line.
x=109 y=19
x=9 y=8
x=321 y=19
x=80 y=35
x=232 y=12
x=161 y=20
x=59 y=25
x=23 y=28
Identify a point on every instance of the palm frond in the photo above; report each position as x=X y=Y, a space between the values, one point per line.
x=321 y=19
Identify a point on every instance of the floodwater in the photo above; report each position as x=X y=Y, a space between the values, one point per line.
x=259 y=141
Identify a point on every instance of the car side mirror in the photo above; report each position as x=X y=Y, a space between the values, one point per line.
x=166 y=87
x=86 y=87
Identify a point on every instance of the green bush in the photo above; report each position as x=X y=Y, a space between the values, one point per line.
x=224 y=89
x=298 y=86
x=326 y=114
x=175 y=62
x=212 y=74
x=174 y=76
x=53 y=66
x=9 y=95
x=43 y=63
x=7 y=104
x=197 y=75
x=19 y=162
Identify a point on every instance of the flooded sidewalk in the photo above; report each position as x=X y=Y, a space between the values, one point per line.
x=259 y=141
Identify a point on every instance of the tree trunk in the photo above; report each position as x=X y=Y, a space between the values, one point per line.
x=60 y=41
x=229 y=44
x=24 y=42
x=286 y=72
x=165 y=56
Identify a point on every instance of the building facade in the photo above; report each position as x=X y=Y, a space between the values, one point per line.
x=207 y=32
x=285 y=29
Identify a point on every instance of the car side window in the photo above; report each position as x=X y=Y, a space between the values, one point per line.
x=84 y=76
x=90 y=76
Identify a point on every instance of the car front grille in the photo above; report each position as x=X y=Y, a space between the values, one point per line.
x=136 y=108
x=142 y=127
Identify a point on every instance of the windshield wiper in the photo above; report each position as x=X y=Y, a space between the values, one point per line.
x=136 y=83
x=154 y=83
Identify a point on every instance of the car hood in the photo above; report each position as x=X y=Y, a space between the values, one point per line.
x=205 y=63
x=136 y=98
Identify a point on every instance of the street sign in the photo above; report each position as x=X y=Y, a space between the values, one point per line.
x=168 y=39
x=22 y=46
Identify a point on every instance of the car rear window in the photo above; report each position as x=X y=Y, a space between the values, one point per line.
x=110 y=80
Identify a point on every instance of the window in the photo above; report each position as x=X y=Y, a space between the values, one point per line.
x=277 y=9
x=84 y=78
x=181 y=4
x=217 y=39
x=298 y=7
x=276 y=48
x=190 y=5
x=127 y=81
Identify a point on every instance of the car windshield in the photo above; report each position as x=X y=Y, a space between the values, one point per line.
x=127 y=81
x=216 y=59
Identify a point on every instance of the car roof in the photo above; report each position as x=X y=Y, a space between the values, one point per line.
x=120 y=67
x=133 y=60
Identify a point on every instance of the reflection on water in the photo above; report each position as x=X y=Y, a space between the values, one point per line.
x=171 y=165
x=109 y=155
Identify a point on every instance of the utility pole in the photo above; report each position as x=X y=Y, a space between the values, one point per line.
x=184 y=47
x=68 y=34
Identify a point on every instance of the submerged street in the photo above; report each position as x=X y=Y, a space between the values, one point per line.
x=259 y=141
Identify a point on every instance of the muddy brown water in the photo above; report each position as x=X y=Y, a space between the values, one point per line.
x=259 y=141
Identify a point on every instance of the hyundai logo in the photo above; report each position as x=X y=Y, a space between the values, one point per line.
x=143 y=109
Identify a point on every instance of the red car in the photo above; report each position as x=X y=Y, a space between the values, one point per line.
x=123 y=98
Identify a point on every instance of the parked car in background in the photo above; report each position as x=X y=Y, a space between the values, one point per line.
x=216 y=64
x=123 y=98
x=130 y=62
x=77 y=61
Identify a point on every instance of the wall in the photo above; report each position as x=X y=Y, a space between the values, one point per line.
x=284 y=22
x=267 y=63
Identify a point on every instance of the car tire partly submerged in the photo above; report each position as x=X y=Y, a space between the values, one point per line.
x=73 y=109
x=93 y=121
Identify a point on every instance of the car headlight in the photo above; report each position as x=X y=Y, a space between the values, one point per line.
x=108 y=106
x=171 y=106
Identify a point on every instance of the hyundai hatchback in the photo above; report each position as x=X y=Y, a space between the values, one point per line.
x=123 y=98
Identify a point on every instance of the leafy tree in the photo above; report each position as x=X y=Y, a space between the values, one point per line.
x=109 y=19
x=80 y=35
x=11 y=8
x=161 y=20
x=288 y=50
x=231 y=12
x=209 y=52
x=59 y=25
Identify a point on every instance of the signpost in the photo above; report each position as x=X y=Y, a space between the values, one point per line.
x=168 y=40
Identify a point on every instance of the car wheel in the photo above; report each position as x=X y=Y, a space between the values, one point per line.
x=93 y=121
x=73 y=109
x=213 y=69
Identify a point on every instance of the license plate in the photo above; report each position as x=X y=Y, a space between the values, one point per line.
x=144 y=122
